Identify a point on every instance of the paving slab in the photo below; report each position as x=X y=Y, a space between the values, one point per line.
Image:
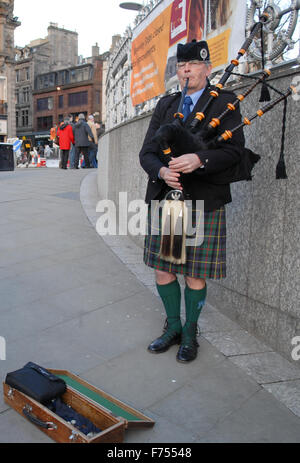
x=261 y=419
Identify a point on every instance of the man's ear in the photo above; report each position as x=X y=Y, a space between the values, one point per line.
x=209 y=69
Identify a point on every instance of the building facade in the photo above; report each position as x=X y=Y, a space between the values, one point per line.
x=119 y=108
x=117 y=86
x=8 y=24
x=41 y=56
x=67 y=91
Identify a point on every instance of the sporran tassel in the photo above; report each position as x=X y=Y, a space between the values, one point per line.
x=174 y=226
x=179 y=236
x=165 y=246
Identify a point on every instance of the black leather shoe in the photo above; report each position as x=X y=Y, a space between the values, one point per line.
x=187 y=351
x=164 y=342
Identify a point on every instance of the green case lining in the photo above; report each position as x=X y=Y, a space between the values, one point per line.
x=115 y=409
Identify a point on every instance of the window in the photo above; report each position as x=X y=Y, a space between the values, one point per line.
x=44 y=123
x=17 y=96
x=63 y=77
x=80 y=75
x=25 y=94
x=44 y=104
x=46 y=80
x=18 y=75
x=17 y=118
x=61 y=101
x=52 y=80
x=25 y=117
x=27 y=73
x=78 y=99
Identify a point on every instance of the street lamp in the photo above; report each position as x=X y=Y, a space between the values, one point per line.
x=134 y=6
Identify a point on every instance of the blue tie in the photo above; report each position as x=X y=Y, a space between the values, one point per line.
x=187 y=107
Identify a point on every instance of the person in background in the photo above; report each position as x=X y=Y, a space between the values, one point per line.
x=72 y=149
x=82 y=132
x=48 y=151
x=66 y=137
x=93 y=146
x=41 y=150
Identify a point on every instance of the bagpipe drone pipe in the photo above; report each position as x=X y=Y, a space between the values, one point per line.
x=176 y=139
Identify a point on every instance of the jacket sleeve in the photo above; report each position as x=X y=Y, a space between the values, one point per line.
x=149 y=159
x=227 y=153
x=89 y=132
x=72 y=135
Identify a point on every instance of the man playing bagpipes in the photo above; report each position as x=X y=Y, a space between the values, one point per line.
x=197 y=175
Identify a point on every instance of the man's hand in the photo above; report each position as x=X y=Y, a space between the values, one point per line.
x=186 y=163
x=171 y=178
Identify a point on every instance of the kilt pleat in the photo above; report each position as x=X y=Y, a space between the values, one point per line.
x=207 y=260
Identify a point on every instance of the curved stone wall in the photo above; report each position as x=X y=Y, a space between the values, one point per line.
x=261 y=291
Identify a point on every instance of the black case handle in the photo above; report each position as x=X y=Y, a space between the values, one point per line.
x=42 y=371
x=43 y=424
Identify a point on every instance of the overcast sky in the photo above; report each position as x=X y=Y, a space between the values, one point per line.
x=94 y=20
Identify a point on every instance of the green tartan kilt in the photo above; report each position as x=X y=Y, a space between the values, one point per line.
x=207 y=261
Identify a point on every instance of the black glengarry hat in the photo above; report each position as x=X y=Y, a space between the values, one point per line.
x=193 y=50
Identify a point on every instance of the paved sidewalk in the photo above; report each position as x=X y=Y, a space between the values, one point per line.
x=72 y=300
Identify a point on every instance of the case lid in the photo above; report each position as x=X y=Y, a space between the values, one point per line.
x=132 y=417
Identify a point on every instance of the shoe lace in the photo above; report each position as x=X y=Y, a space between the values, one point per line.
x=167 y=332
x=189 y=336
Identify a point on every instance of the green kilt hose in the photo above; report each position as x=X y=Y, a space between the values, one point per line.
x=207 y=261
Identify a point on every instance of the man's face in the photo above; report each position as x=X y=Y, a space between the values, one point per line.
x=196 y=71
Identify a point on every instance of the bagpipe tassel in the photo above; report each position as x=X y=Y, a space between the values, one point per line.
x=174 y=225
x=265 y=94
x=281 y=169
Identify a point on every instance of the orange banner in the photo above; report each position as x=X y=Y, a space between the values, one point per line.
x=149 y=55
x=218 y=47
x=155 y=40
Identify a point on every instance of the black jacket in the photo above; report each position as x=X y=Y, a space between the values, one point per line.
x=81 y=133
x=201 y=183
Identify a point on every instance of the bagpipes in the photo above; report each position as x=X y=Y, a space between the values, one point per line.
x=190 y=139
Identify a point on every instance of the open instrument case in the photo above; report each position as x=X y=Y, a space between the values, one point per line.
x=109 y=414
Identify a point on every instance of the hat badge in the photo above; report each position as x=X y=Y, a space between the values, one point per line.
x=203 y=53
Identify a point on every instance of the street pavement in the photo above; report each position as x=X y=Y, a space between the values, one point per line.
x=73 y=300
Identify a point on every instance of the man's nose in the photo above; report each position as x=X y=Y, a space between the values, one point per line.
x=187 y=67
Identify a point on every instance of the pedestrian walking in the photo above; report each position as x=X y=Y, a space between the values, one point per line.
x=66 y=137
x=82 y=132
x=193 y=171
